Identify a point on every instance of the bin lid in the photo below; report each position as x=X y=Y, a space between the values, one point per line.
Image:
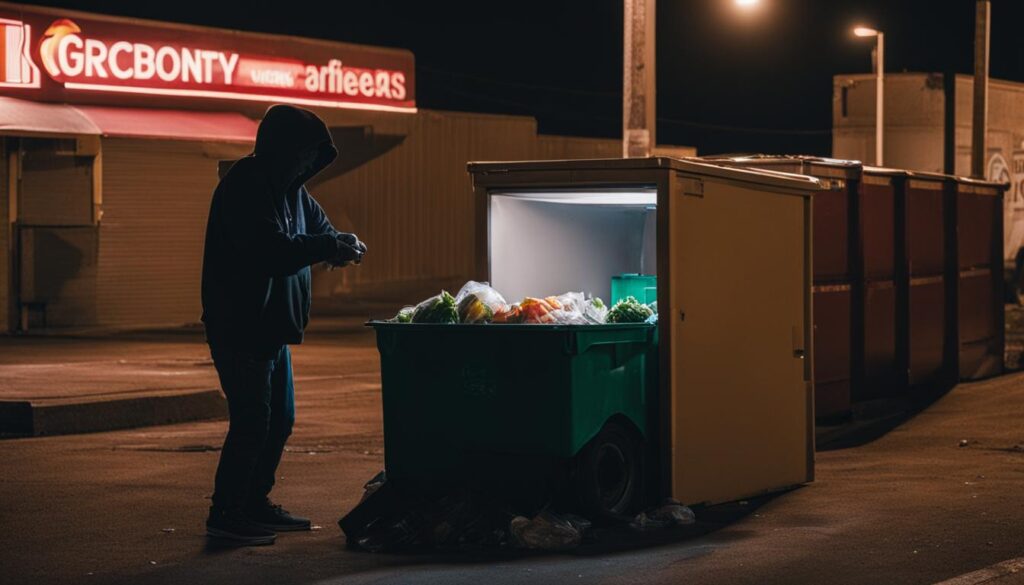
x=484 y=172
x=981 y=186
x=968 y=184
x=815 y=166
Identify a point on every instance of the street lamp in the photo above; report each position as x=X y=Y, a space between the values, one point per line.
x=863 y=31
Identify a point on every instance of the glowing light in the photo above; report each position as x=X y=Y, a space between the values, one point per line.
x=238 y=96
x=863 y=31
x=747 y=3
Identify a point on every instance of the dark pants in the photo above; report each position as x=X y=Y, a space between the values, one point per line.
x=261 y=405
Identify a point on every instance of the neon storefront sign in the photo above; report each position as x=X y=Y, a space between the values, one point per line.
x=86 y=56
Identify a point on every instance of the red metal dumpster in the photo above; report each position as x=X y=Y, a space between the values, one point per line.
x=979 y=208
x=879 y=373
x=930 y=298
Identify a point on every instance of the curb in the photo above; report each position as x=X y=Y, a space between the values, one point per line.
x=25 y=419
x=1003 y=572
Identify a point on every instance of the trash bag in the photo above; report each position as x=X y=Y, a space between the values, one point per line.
x=393 y=519
x=566 y=309
x=510 y=315
x=569 y=309
x=478 y=302
x=545 y=531
x=669 y=513
x=537 y=311
x=436 y=309
x=595 y=311
x=404 y=315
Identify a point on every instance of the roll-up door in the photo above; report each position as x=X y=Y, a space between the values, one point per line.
x=156 y=196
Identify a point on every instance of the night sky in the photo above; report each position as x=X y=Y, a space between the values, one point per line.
x=727 y=81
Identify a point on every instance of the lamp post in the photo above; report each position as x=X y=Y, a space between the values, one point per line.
x=863 y=31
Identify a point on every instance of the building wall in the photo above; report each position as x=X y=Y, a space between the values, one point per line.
x=5 y=243
x=914 y=119
x=413 y=205
x=914 y=126
x=156 y=196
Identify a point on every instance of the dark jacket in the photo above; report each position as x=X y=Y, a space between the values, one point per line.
x=262 y=236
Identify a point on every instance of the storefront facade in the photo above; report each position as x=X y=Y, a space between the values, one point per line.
x=112 y=131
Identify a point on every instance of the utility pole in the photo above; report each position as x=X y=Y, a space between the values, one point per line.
x=979 y=127
x=880 y=99
x=638 y=79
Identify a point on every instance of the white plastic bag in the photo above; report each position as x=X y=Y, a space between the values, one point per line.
x=478 y=302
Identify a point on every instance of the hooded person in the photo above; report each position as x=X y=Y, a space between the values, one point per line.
x=264 y=232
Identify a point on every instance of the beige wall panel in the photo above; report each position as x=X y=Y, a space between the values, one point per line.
x=155 y=202
x=754 y=417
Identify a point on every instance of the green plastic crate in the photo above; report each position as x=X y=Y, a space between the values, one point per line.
x=455 y=394
x=642 y=287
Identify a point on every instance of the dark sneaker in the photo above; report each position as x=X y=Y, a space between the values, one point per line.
x=235 y=528
x=273 y=517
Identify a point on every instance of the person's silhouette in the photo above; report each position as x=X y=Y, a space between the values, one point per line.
x=263 y=233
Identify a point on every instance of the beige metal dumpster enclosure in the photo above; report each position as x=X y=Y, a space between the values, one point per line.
x=732 y=252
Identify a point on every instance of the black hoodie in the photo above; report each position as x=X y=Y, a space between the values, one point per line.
x=262 y=235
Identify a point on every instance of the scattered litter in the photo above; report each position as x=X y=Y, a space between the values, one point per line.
x=545 y=531
x=167 y=530
x=152 y=562
x=316 y=527
x=670 y=513
x=963 y=442
x=391 y=518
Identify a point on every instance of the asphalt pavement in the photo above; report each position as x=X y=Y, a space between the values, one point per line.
x=934 y=499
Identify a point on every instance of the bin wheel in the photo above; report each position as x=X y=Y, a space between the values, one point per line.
x=609 y=471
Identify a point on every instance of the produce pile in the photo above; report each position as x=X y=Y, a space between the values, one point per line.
x=478 y=302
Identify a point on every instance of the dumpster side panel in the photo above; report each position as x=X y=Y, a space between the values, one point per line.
x=832 y=306
x=980 y=280
x=740 y=388
x=878 y=229
x=925 y=228
x=927 y=330
x=450 y=393
x=881 y=365
x=831 y=235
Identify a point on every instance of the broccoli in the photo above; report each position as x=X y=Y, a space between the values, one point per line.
x=629 y=310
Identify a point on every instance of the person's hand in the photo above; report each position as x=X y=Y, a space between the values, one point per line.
x=349 y=249
x=353 y=241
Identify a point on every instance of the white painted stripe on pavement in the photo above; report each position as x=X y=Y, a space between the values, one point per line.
x=988 y=574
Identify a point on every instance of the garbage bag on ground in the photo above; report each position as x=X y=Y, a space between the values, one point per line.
x=670 y=513
x=478 y=302
x=391 y=519
x=545 y=531
x=436 y=309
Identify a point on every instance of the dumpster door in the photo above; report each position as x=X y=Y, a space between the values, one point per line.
x=740 y=343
